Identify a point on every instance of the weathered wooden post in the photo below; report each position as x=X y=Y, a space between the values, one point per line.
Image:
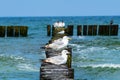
x=2 y=31
x=51 y=71
x=10 y=31
x=69 y=30
x=69 y=60
x=104 y=30
x=90 y=30
x=16 y=31
x=94 y=30
x=48 y=30
x=113 y=30
x=23 y=31
x=84 y=30
x=53 y=29
x=79 y=30
x=101 y=30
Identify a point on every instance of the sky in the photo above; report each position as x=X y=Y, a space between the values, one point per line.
x=59 y=8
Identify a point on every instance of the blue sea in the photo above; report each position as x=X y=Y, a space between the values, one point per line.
x=93 y=57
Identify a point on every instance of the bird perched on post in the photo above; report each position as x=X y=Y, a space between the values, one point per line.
x=58 y=60
x=59 y=43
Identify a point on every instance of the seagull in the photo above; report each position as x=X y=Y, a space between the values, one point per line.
x=59 y=43
x=58 y=60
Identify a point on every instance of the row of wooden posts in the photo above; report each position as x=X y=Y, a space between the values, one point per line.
x=13 y=31
x=57 y=72
x=88 y=30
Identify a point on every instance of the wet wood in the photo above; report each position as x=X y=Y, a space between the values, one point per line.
x=50 y=71
x=23 y=31
x=10 y=31
x=95 y=30
x=108 y=30
x=79 y=30
x=13 y=31
x=113 y=30
x=2 y=31
x=56 y=72
x=89 y=30
x=92 y=30
x=85 y=30
x=69 y=30
x=48 y=30
x=16 y=31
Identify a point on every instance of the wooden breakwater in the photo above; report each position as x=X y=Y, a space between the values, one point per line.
x=57 y=72
x=13 y=31
x=89 y=30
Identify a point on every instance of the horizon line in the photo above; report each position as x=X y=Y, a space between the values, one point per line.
x=62 y=16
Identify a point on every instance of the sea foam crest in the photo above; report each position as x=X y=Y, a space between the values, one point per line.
x=27 y=67
x=102 y=65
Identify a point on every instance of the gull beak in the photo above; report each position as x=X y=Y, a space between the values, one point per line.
x=69 y=38
x=68 y=53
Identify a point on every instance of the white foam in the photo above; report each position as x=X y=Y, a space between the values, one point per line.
x=27 y=67
x=12 y=57
x=109 y=65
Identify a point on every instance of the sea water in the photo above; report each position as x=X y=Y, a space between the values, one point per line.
x=94 y=57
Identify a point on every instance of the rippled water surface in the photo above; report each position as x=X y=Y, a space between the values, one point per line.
x=94 y=57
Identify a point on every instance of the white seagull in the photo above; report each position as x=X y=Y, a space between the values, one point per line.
x=58 y=60
x=59 y=43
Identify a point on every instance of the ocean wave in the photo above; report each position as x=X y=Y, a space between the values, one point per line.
x=27 y=67
x=10 y=57
x=111 y=65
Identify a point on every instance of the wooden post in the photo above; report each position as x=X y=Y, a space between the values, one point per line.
x=84 y=30
x=69 y=60
x=2 y=31
x=100 y=30
x=70 y=30
x=48 y=30
x=16 y=31
x=10 y=31
x=51 y=71
x=56 y=72
x=79 y=30
x=90 y=30
x=53 y=29
x=104 y=30
x=94 y=30
x=113 y=30
x=23 y=31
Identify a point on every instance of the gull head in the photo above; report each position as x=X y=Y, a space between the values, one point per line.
x=65 y=53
